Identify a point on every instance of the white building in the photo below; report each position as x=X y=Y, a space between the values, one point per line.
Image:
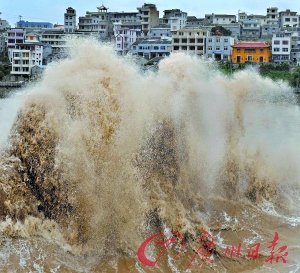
x=221 y=19
x=70 y=20
x=288 y=18
x=175 y=18
x=24 y=57
x=281 y=47
x=124 y=37
x=4 y=25
x=219 y=47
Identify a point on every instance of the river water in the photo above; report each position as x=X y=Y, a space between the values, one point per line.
x=99 y=156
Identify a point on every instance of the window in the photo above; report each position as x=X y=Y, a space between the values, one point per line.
x=209 y=48
x=226 y=40
x=210 y=40
x=218 y=40
x=276 y=42
x=200 y=47
x=225 y=47
x=276 y=49
x=285 y=49
x=238 y=50
x=294 y=20
x=155 y=47
x=250 y=50
x=285 y=42
x=199 y=41
x=217 y=48
x=261 y=50
x=184 y=41
x=287 y=19
x=192 y=41
x=176 y=41
x=162 y=48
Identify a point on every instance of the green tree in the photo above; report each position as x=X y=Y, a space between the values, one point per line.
x=219 y=30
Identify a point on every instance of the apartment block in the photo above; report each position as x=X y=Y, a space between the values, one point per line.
x=26 y=24
x=251 y=28
x=175 y=18
x=190 y=40
x=70 y=20
x=151 y=48
x=288 y=18
x=219 y=47
x=149 y=16
x=281 y=47
x=15 y=36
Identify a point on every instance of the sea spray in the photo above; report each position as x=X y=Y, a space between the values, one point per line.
x=112 y=155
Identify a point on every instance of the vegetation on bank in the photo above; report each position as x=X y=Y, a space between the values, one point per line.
x=4 y=65
x=273 y=71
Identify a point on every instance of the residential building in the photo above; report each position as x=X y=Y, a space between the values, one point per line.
x=24 y=57
x=151 y=48
x=161 y=31
x=175 y=18
x=220 y=19
x=219 y=47
x=251 y=28
x=281 y=47
x=149 y=16
x=288 y=18
x=96 y=23
x=272 y=16
x=57 y=39
x=124 y=37
x=23 y=24
x=4 y=25
x=194 y=21
x=190 y=40
x=70 y=20
x=250 y=52
x=295 y=48
x=116 y=17
x=15 y=36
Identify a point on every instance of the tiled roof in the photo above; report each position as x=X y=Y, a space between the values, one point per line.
x=250 y=45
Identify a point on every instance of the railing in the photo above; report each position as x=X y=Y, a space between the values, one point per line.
x=11 y=84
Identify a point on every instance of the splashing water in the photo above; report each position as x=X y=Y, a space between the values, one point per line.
x=100 y=156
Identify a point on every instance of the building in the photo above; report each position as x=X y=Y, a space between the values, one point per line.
x=295 y=48
x=151 y=48
x=190 y=40
x=175 y=18
x=161 y=31
x=219 y=47
x=149 y=16
x=288 y=18
x=251 y=28
x=96 y=23
x=250 y=52
x=124 y=37
x=220 y=19
x=24 y=57
x=129 y=17
x=70 y=20
x=57 y=40
x=281 y=47
x=23 y=24
x=272 y=16
x=15 y=36
x=4 y=25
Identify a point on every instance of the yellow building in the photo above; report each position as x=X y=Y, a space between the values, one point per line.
x=250 y=52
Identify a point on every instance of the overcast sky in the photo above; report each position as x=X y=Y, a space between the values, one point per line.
x=53 y=10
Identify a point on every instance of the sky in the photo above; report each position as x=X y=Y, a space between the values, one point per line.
x=53 y=10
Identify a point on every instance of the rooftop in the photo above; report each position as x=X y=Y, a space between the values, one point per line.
x=250 y=45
